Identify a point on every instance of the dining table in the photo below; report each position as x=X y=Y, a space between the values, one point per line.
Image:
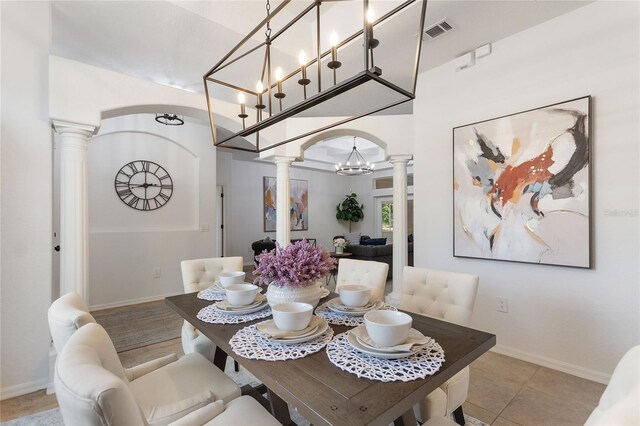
x=326 y=395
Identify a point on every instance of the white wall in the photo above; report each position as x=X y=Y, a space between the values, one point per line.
x=581 y=321
x=26 y=170
x=242 y=182
x=127 y=245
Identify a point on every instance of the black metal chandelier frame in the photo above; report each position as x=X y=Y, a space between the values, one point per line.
x=370 y=72
x=358 y=167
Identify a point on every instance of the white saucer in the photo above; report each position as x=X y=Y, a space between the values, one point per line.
x=356 y=344
x=335 y=306
x=321 y=329
x=251 y=310
x=216 y=287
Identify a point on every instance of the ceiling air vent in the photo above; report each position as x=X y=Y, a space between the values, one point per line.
x=438 y=29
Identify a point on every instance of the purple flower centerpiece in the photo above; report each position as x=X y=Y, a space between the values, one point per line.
x=293 y=272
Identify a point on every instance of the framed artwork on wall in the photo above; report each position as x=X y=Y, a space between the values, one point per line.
x=299 y=194
x=521 y=186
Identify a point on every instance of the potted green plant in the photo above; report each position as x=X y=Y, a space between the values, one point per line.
x=350 y=210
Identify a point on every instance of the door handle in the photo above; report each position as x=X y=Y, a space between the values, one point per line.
x=57 y=248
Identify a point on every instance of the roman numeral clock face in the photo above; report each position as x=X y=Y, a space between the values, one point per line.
x=144 y=185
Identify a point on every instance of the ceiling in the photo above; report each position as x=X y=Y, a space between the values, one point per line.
x=176 y=42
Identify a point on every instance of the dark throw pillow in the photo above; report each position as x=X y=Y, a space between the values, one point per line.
x=375 y=242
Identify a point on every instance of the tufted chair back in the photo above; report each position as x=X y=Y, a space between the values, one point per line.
x=66 y=315
x=198 y=274
x=619 y=402
x=365 y=272
x=91 y=386
x=448 y=296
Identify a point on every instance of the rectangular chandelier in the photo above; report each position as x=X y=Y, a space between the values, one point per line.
x=317 y=65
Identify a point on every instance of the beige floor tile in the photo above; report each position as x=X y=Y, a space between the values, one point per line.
x=478 y=412
x=491 y=392
x=567 y=387
x=501 y=421
x=148 y=353
x=534 y=408
x=502 y=366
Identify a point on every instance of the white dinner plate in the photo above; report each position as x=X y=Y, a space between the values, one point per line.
x=335 y=306
x=321 y=329
x=251 y=310
x=355 y=343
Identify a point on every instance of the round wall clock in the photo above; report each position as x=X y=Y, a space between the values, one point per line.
x=143 y=185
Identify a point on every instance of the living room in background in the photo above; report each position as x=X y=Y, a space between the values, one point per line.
x=522 y=186
x=299 y=193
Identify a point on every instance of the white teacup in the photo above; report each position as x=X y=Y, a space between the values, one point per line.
x=292 y=316
x=241 y=294
x=354 y=295
x=387 y=328
x=231 y=277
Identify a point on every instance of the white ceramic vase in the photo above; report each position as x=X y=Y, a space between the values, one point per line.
x=339 y=250
x=284 y=294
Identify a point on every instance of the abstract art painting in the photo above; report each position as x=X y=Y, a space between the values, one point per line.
x=299 y=195
x=521 y=186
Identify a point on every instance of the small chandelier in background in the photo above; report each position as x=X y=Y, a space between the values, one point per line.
x=355 y=164
x=169 y=119
x=335 y=77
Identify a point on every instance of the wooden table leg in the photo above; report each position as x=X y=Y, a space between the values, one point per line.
x=279 y=408
x=220 y=358
x=407 y=419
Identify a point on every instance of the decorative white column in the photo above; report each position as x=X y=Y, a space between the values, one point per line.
x=400 y=233
x=74 y=206
x=283 y=202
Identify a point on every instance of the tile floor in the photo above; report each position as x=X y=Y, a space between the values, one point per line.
x=503 y=391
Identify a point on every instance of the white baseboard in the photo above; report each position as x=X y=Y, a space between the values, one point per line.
x=132 y=301
x=574 y=370
x=23 y=388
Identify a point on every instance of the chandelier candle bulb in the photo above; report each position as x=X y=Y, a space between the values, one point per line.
x=242 y=101
x=373 y=43
x=259 y=89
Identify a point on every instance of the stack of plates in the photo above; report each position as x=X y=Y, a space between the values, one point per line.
x=358 y=336
x=335 y=306
x=226 y=307
x=316 y=327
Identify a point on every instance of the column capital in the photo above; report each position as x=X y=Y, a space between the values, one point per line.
x=279 y=159
x=63 y=127
x=393 y=159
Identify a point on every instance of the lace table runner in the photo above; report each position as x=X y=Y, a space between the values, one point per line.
x=249 y=343
x=425 y=362
x=212 y=315
x=336 y=318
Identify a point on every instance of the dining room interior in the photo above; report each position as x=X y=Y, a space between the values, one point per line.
x=463 y=231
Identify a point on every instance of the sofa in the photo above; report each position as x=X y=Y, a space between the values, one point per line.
x=379 y=253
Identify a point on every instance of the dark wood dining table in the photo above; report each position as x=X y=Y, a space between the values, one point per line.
x=326 y=395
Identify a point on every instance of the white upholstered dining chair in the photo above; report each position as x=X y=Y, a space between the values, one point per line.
x=93 y=388
x=66 y=315
x=620 y=402
x=448 y=296
x=364 y=272
x=197 y=275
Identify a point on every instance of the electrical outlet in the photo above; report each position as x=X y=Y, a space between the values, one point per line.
x=157 y=272
x=204 y=227
x=503 y=304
